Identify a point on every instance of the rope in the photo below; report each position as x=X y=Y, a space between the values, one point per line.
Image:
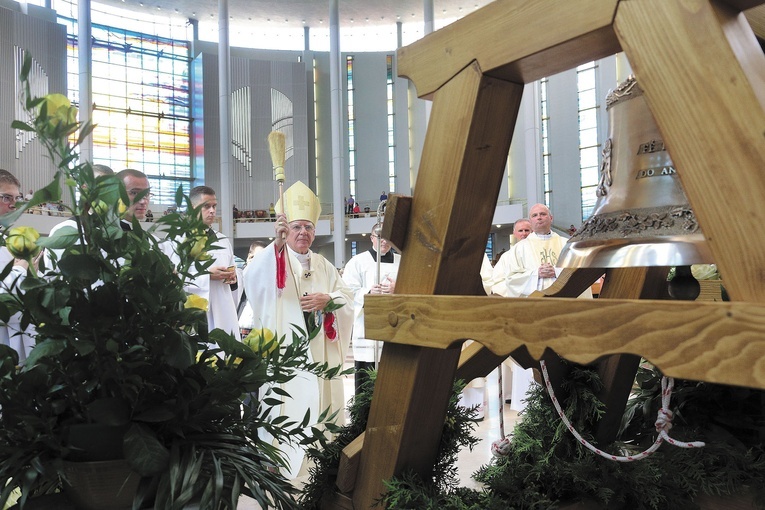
x=501 y=447
x=663 y=423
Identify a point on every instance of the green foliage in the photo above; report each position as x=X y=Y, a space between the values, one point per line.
x=456 y=434
x=547 y=467
x=118 y=349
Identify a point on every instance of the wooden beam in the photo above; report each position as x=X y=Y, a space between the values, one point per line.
x=617 y=373
x=703 y=74
x=514 y=40
x=756 y=19
x=397 y=211
x=742 y=5
x=460 y=175
x=722 y=343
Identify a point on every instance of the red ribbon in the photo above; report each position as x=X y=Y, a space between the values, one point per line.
x=281 y=269
x=329 y=326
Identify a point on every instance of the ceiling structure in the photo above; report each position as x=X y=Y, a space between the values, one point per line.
x=247 y=15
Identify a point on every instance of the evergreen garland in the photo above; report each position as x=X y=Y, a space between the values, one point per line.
x=547 y=467
x=457 y=434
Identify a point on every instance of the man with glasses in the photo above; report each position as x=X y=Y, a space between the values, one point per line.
x=360 y=274
x=10 y=192
x=10 y=333
x=289 y=288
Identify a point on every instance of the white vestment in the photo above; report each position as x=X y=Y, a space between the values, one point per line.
x=11 y=333
x=500 y=271
x=526 y=257
x=282 y=315
x=221 y=309
x=360 y=274
x=486 y=274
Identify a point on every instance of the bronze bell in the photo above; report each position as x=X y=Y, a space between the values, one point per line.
x=641 y=216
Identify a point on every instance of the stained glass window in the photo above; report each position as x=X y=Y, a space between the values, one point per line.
x=140 y=89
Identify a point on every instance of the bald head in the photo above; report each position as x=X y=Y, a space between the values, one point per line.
x=541 y=219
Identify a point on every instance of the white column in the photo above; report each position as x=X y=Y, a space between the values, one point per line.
x=85 y=71
x=428 y=17
x=336 y=112
x=224 y=104
x=420 y=108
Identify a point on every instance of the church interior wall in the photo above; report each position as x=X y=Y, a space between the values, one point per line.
x=46 y=41
x=292 y=72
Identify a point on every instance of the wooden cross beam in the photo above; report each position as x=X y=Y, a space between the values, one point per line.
x=703 y=75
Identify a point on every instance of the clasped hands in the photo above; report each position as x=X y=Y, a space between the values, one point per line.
x=546 y=270
x=387 y=286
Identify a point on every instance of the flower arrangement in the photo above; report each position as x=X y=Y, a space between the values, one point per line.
x=123 y=356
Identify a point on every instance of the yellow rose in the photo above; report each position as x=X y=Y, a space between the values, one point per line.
x=100 y=207
x=194 y=301
x=705 y=272
x=22 y=242
x=60 y=109
x=121 y=207
x=198 y=251
x=261 y=340
x=210 y=360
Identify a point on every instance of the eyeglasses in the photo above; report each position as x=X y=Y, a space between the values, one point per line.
x=10 y=199
x=298 y=228
x=132 y=193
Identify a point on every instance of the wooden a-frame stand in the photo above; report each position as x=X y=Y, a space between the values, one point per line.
x=703 y=74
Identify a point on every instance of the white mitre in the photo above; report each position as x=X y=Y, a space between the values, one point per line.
x=300 y=203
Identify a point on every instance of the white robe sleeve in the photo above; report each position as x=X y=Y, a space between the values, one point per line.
x=522 y=276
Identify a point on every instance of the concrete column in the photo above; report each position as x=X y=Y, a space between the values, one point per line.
x=428 y=16
x=224 y=103
x=85 y=72
x=338 y=156
x=194 y=23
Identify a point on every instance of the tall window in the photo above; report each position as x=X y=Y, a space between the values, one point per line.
x=545 y=127
x=140 y=90
x=351 y=124
x=489 y=250
x=316 y=123
x=588 y=135
x=391 y=131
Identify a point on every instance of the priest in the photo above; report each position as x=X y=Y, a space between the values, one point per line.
x=532 y=261
x=289 y=287
x=361 y=275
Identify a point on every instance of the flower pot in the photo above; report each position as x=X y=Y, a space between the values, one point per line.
x=101 y=485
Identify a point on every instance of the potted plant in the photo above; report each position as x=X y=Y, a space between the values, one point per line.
x=123 y=357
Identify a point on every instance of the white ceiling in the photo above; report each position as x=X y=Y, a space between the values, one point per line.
x=301 y=13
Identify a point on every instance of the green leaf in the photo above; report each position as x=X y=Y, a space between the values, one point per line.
x=109 y=411
x=17 y=124
x=44 y=349
x=79 y=266
x=156 y=415
x=61 y=238
x=25 y=67
x=145 y=453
